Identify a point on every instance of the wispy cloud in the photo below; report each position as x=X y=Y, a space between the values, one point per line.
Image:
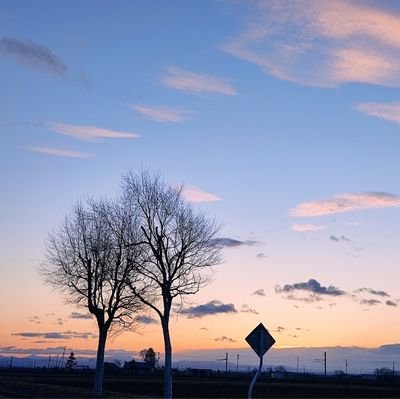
x=58 y=350
x=146 y=320
x=372 y=292
x=60 y=152
x=259 y=292
x=387 y=111
x=89 y=133
x=369 y=302
x=301 y=228
x=340 y=238
x=390 y=303
x=311 y=285
x=228 y=242
x=180 y=79
x=56 y=335
x=321 y=43
x=211 y=308
x=161 y=114
x=195 y=194
x=247 y=309
x=224 y=338
x=309 y=298
x=346 y=203
x=77 y=315
x=261 y=255
x=32 y=54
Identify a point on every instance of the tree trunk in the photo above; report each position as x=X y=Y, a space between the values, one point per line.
x=168 y=360
x=98 y=377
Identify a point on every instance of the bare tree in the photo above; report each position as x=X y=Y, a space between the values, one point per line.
x=88 y=260
x=179 y=244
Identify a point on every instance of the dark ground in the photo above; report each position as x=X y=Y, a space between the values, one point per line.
x=62 y=384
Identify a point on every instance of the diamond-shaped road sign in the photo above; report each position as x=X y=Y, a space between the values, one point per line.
x=260 y=340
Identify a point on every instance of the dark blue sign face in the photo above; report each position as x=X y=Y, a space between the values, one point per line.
x=260 y=340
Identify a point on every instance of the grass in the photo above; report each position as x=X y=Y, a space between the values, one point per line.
x=61 y=384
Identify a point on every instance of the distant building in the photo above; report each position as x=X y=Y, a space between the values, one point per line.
x=141 y=368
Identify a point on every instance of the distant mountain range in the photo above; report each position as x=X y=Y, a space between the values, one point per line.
x=357 y=360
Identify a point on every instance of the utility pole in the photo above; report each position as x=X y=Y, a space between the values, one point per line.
x=323 y=361
x=347 y=363
x=224 y=359
x=237 y=363
x=297 y=365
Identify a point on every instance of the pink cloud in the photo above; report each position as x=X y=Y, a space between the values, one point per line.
x=194 y=194
x=59 y=152
x=180 y=79
x=90 y=133
x=387 y=111
x=321 y=43
x=346 y=203
x=301 y=228
x=362 y=65
x=161 y=114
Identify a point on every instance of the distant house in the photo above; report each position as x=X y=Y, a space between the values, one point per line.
x=197 y=372
x=111 y=367
x=141 y=368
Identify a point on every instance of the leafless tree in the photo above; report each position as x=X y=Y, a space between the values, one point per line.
x=179 y=244
x=88 y=260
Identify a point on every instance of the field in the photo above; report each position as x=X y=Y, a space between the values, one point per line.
x=56 y=384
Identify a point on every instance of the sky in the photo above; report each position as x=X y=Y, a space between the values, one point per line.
x=280 y=118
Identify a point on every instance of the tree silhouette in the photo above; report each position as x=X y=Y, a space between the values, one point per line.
x=71 y=362
x=87 y=259
x=149 y=357
x=179 y=245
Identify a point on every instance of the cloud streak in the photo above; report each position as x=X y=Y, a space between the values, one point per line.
x=346 y=203
x=372 y=292
x=180 y=79
x=77 y=315
x=312 y=286
x=145 y=320
x=227 y=242
x=211 y=308
x=247 y=309
x=321 y=43
x=60 y=152
x=337 y=239
x=224 y=338
x=56 y=335
x=302 y=228
x=195 y=194
x=161 y=114
x=369 y=302
x=33 y=55
x=387 y=111
x=89 y=133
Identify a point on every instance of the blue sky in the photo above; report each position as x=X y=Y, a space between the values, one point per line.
x=282 y=122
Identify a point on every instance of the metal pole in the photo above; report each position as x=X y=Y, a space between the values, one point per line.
x=255 y=378
x=260 y=355
x=237 y=363
x=325 y=363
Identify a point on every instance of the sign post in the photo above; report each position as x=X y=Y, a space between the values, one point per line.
x=260 y=340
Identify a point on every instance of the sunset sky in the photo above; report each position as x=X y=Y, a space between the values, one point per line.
x=281 y=119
